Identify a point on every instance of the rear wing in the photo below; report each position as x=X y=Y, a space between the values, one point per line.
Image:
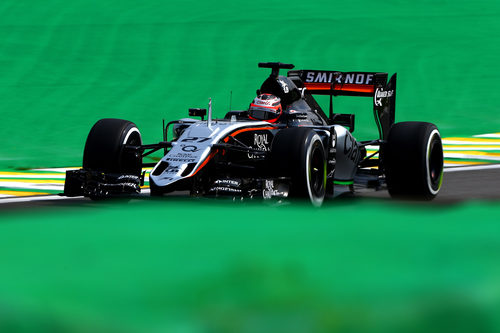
x=369 y=84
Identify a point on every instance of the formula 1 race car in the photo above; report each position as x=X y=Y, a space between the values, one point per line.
x=283 y=146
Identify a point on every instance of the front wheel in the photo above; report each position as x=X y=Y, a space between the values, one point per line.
x=413 y=160
x=299 y=154
x=105 y=147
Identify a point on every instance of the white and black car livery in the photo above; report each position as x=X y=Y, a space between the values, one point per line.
x=304 y=153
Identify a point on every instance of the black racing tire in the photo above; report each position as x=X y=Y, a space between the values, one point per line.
x=298 y=153
x=413 y=161
x=104 y=148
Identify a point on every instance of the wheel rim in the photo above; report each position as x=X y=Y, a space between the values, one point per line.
x=316 y=173
x=129 y=161
x=434 y=162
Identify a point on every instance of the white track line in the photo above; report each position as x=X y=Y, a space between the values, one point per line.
x=30 y=186
x=36 y=198
x=31 y=175
x=471 y=148
x=61 y=170
x=484 y=157
x=471 y=142
x=472 y=168
x=491 y=135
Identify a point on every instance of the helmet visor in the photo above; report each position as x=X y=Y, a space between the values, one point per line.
x=262 y=113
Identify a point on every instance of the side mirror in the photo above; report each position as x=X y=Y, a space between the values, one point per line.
x=346 y=120
x=196 y=112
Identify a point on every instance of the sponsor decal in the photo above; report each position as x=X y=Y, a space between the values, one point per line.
x=128 y=177
x=351 y=149
x=134 y=185
x=320 y=77
x=360 y=78
x=225 y=189
x=381 y=93
x=227 y=182
x=183 y=160
x=340 y=78
x=190 y=149
x=186 y=157
x=284 y=86
x=181 y=155
x=263 y=102
x=269 y=190
x=260 y=142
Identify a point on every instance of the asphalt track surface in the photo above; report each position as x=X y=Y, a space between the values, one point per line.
x=460 y=184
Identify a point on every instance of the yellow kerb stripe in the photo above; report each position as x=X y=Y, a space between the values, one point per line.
x=447 y=146
x=474 y=153
x=33 y=181
x=449 y=162
x=22 y=193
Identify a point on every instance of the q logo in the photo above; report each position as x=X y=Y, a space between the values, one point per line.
x=190 y=149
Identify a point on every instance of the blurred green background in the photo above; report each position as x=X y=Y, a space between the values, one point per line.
x=206 y=265
x=184 y=265
x=64 y=65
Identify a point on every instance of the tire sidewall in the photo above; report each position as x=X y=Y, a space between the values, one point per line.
x=413 y=151
x=313 y=146
x=292 y=151
x=433 y=139
x=127 y=162
x=104 y=148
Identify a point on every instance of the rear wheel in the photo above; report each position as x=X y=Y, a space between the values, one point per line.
x=104 y=149
x=300 y=155
x=413 y=160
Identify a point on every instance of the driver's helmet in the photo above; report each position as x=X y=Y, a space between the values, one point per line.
x=265 y=107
